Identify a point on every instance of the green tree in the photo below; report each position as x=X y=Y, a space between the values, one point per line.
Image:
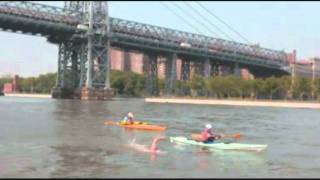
x=284 y=86
x=215 y=86
x=28 y=84
x=127 y=83
x=257 y=87
x=245 y=87
x=183 y=88
x=197 y=84
x=45 y=83
x=271 y=86
x=4 y=80
x=161 y=83
x=317 y=88
x=302 y=88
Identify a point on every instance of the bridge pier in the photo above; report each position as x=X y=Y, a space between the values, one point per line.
x=185 y=69
x=91 y=53
x=87 y=93
x=170 y=75
x=199 y=67
x=126 y=60
x=185 y=74
x=67 y=77
x=207 y=68
x=145 y=61
x=152 y=75
x=215 y=69
x=236 y=69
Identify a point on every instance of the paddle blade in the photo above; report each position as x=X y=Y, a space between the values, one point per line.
x=196 y=137
x=237 y=136
x=109 y=122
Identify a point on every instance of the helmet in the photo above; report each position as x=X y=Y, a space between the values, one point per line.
x=130 y=115
x=208 y=126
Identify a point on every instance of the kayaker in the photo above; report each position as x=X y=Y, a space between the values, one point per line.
x=128 y=119
x=208 y=135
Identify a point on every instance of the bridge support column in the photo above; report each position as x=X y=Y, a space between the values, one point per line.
x=220 y=69
x=214 y=69
x=152 y=75
x=199 y=67
x=83 y=60
x=145 y=62
x=185 y=69
x=97 y=86
x=60 y=66
x=67 y=71
x=236 y=70
x=57 y=90
x=126 y=61
x=207 y=68
x=171 y=75
x=90 y=51
x=185 y=74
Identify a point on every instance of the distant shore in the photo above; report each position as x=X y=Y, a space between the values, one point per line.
x=28 y=95
x=256 y=103
x=287 y=104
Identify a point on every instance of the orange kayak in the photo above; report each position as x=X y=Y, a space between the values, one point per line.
x=138 y=125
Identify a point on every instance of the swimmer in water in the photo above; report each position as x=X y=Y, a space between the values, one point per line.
x=153 y=148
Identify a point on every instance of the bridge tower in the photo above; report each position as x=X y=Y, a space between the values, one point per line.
x=87 y=54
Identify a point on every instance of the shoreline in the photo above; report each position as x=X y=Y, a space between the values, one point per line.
x=255 y=103
x=250 y=103
x=27 y=95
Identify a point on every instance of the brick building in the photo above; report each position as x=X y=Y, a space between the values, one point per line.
x=134 y=62
x=12 y=87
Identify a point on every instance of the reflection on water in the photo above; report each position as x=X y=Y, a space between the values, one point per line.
x=67 y=138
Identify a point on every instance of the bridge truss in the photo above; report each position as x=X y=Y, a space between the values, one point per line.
x=84 y=33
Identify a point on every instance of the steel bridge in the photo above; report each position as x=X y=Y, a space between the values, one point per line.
x=84 y=33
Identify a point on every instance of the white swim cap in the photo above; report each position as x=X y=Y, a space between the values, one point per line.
x=208 y=126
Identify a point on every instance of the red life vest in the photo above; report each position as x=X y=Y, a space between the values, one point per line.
x=206 y=133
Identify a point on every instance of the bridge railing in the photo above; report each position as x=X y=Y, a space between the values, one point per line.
x=196 y=40
x=40 y=11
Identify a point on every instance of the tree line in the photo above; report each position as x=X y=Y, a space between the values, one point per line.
x=299 y=88
x=41 y=84
x=130 y=84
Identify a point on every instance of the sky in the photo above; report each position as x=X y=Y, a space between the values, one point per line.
x=275 y=25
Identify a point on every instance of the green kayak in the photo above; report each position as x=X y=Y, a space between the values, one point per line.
x=220 y=145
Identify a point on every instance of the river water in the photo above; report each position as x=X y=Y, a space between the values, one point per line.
x=67 y=138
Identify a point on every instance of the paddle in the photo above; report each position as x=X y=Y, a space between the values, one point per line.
x=198 y=137
x=109 y=122
x=237 y=135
